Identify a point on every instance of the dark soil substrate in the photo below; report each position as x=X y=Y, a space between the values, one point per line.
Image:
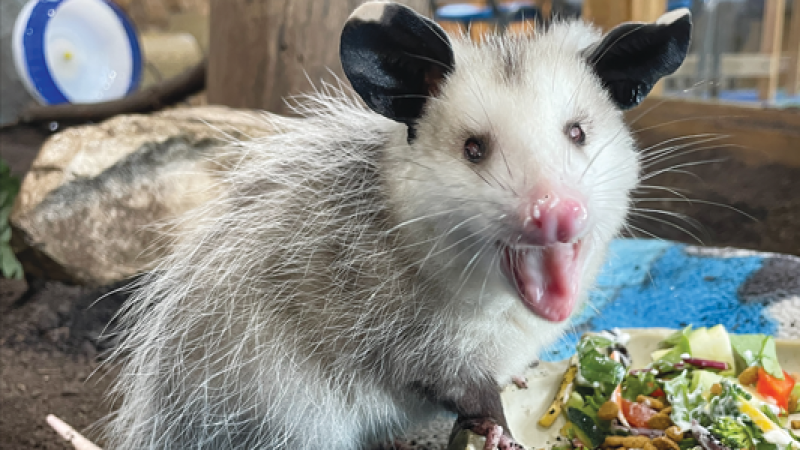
x=727 y=203
x=49 y=347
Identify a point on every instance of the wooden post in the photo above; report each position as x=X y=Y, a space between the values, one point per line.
x=771 y=42
x=647 y=10
x=794 y=51
x=546 y=7
x=260 y=51
x=607 y=14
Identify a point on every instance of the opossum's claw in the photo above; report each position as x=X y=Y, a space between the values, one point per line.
x=396 y=445
x=507 y=443
x=496 y=437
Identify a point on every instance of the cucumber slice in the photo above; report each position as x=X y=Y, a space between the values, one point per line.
x=713 y=344
x=585 y=428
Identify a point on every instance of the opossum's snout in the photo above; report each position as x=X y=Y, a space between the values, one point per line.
x=546 y=262
x=550 y=216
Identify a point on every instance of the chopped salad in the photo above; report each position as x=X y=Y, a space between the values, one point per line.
x=705 y=389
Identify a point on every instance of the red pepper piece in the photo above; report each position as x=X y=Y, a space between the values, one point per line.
x=775 y=388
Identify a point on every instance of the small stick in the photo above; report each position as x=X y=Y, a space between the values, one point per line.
x=70 y=435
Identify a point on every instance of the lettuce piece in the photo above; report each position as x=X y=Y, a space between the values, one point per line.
x=595 y=401
x=686 y=404
x=675 y=338
x=769 y=358
x=681 y=347
x=601 y=371
x=674 y=355
x=592 y=342
x=748 y=347
x=677 y=344
x=643 y=383
x=596 y=368
x=757 y=349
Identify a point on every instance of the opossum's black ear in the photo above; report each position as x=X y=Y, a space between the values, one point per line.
x=395 y=59
x=632 y=57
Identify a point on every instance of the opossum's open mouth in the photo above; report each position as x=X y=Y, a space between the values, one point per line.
x=546 y=278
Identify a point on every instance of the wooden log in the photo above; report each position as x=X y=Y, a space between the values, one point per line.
x=262 y=51
x=753 y=134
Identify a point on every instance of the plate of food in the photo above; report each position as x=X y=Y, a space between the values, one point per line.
x=659 y=389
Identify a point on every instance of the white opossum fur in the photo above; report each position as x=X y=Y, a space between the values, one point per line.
x=350 y=268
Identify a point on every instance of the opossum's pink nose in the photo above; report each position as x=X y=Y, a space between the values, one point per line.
x=552 y=216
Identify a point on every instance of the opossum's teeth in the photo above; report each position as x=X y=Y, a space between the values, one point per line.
x=547 y=278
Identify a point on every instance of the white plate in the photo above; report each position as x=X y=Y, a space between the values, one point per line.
x=524 y=407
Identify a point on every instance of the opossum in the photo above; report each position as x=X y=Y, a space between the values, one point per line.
x=400 y=250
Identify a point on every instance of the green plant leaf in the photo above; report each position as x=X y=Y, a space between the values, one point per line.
x=4 y=214
x=9 y=264
x=5 y=233
x=5 y=170
x=9 y=188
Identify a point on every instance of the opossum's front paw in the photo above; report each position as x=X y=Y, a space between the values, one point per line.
x=394 y=445
x=520 y=381
x=496 y=437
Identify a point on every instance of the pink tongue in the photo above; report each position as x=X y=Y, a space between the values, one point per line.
x=548 y=280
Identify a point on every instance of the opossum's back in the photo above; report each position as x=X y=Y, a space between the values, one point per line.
x=233 y=360
x=261 y=306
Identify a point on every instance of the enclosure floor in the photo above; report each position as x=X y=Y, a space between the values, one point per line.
x=738 y=205
x=49 y=356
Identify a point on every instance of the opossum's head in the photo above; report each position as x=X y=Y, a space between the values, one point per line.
x=517 y=150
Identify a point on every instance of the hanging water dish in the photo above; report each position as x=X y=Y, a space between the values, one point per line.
x=76 y=51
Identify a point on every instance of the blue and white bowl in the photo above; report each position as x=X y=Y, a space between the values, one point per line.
x=76 y=51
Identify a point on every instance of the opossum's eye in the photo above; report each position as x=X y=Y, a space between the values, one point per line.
x=474 y=150
x=576 y=133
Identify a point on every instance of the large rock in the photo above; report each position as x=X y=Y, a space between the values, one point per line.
x=90 y=208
